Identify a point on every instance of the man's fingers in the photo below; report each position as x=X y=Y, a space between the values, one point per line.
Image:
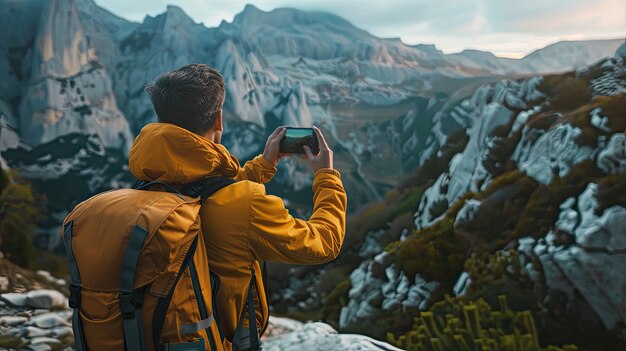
x=278 y=137
x=320 y=138
x=308 y=152
x=285 y=155
x=276 y=132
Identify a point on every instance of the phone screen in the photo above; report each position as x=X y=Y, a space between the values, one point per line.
x=296 y=138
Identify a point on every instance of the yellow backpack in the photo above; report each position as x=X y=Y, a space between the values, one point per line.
x=140 y=278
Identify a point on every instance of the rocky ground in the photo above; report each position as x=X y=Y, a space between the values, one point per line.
x=34 y=315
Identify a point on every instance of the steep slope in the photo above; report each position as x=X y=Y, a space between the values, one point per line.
x=67 y=90
x=528 y=208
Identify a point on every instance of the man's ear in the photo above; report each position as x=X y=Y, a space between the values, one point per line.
x=218 y=121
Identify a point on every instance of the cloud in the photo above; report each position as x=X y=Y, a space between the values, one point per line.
x=507 y=27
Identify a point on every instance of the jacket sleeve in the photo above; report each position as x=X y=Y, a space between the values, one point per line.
x=277 y=236
x=257 y=170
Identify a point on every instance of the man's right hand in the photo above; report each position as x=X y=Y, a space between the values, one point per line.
x=324 y=159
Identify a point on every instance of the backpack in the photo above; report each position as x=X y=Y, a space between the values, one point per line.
x=139 y=273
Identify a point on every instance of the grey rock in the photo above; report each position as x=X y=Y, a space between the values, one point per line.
x=40 y=347
x=60 y=332
x=12 y=320
x=612 y=159
x=462 y=284
x=48 y=320
x=14 y=299
x=32 y=332
x=320 y=336
x=44 y=298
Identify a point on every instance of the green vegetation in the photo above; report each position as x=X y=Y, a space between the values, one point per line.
x=334 y=302
x=17 y=211
x=411 y=201
x=501 y=203
x=460 y=324
x=566 y=91
x=494 y=275
x=435 y=252
x=20 y=212
x=542 y=209
x=503 y=308
x=570 y=101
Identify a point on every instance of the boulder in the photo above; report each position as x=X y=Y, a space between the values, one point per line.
x=321 y=336
x=48 y=320
x=45 y=299
x=14 y=299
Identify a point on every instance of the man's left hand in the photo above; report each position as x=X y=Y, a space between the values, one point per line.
x=272 y=146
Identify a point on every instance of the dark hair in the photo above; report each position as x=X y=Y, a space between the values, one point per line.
x=188 y=97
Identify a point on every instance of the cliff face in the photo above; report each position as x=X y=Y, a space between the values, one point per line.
x=524 y=173
x=535 y=191
x=67 y=90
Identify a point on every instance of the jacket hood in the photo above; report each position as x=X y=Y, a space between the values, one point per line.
x=175 y=155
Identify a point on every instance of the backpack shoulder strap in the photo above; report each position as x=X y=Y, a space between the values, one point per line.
x=131 y=299
x=206 y=187
x=202 y=188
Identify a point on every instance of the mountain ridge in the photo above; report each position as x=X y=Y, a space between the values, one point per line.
x=377 y=99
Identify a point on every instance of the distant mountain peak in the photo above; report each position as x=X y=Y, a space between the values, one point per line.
x=177 y=13
x=250 y=8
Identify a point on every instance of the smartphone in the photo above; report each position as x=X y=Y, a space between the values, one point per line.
x=296 y=138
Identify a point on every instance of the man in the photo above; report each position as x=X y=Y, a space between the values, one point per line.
x=241 y=224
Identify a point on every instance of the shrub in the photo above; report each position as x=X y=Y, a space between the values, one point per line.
x=410 y=202
x=501 y=204
x=560 y=319
x=18 y=213
x=435 y=253
x=460 y=324
x=565 y=92
x=543 y=207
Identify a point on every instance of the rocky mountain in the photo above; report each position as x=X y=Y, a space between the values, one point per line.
x=518 y=218
x=485 y=192
x=73 y=72
x=557 y=57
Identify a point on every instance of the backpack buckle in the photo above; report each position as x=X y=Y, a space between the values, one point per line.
x=129 y=302
x=74 y=300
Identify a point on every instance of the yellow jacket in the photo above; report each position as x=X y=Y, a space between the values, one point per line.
x=241 y=224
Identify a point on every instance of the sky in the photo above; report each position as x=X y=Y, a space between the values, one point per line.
x=508 y=28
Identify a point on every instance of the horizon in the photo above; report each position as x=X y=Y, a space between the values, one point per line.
x=481 y=29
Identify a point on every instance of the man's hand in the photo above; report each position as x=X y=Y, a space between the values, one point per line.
x=324 y=159
x=272 y=146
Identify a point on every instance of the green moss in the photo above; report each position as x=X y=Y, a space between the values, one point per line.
x=501 y=204
x=410 y=202
x=435 y=253
x=460 y=324
x=566 y=91
x=500 y=274
x=542 y=209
